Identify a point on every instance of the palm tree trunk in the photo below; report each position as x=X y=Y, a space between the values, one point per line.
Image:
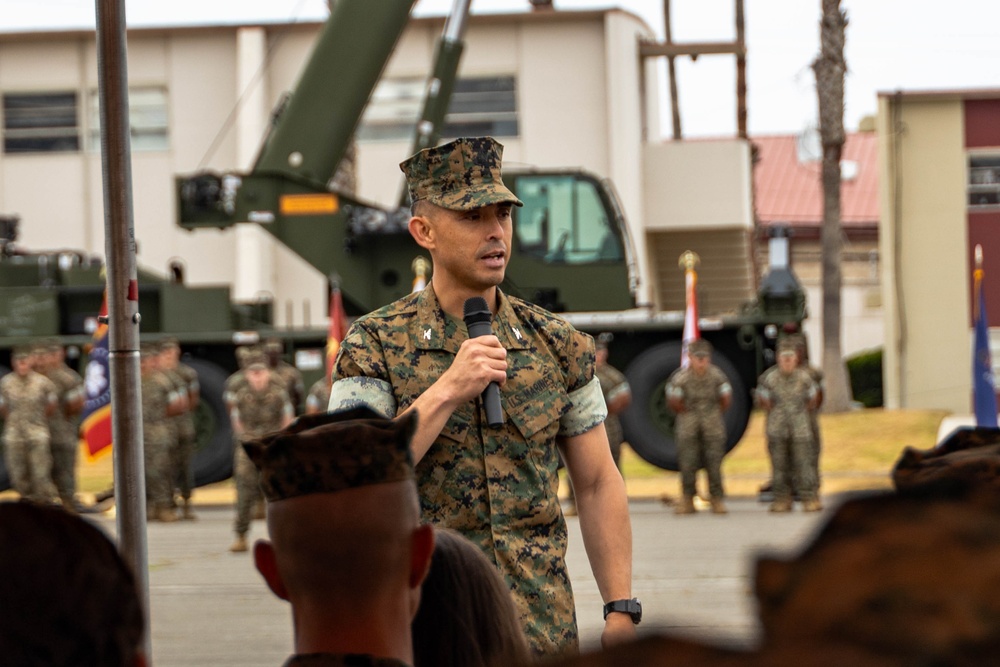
x=830 y=68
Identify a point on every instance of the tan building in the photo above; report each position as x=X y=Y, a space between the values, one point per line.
x=939 y=156
x=557 y=88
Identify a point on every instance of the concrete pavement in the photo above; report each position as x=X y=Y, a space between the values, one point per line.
x=692 y=573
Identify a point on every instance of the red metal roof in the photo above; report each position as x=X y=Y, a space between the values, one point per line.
x=787 y=190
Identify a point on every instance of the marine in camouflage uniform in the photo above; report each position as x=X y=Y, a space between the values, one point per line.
x=319 y=396
x=497 y=485
x=64 y=423
x=285 y=373
x=185 y=381
x=27 y=400
x=259 y=407
x=699 y=394
x=788 y=395
x=160 y=401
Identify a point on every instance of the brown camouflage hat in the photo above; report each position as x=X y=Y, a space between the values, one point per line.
x=461 y=175
x=787 y=345
x=255 y=360
x=699 y=348
x=331 y=452
x=149 y=348
x=20 y=352
x=603 y=340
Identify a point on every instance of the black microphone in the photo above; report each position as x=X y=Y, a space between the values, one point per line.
x=478 y=320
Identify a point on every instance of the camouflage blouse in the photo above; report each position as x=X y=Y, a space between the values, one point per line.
x=497 y=486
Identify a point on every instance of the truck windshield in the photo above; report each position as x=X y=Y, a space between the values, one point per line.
x=564 y=220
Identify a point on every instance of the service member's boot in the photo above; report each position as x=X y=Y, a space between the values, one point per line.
x=240 y=545
x=812 y=505
x=781 y=504
x=718 y=506
x=166 y=515
x=186 y=513
x=685 y=505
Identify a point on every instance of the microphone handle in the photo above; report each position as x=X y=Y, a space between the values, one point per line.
x=491 y=395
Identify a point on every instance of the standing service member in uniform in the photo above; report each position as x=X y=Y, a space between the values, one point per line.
x=27 y=401
x=699 y=394
x=497 y=485
x=64 y=422
x=788 y=395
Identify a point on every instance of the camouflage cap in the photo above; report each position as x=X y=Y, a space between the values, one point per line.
x=20 y=352
x=461 y=175
x=331 y=452
x=255 y=360
x=149 y=348
x=699 y=348
x=603 y=340
x=274 y=345
x=787 y=345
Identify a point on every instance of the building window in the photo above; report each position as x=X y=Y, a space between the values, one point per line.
x=147 y=111
x=479 y=106
x=40 y=123
x=984 y=181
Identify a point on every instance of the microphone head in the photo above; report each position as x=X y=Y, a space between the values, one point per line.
x=476 y=310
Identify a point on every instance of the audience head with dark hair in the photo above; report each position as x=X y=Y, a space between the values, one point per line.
x=466 y=616
x=67 y=597
x=347 y=547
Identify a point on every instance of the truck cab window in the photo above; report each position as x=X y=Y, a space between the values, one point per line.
x=564 y=220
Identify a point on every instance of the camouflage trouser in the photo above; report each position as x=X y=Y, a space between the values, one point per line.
x=29 y=462
x=64 y=467
x=792 y=462
x=248 y=491
x=159 y=488
x=701 y=443
x=183 y=472
x=817 y=444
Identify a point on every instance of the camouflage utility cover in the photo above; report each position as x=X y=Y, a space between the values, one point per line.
x=333 y=452
x=461 y=175
x=496 y=485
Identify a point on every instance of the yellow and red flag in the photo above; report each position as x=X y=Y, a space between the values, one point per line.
x=95 y=426
x=338 y=328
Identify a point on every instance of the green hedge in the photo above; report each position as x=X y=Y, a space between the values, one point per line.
x=865 y=369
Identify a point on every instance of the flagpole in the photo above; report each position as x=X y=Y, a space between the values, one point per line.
x=123 y=298
x=984 y=397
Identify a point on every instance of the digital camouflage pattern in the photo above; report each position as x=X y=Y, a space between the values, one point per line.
x=789 y=435
x=496 y=486
x=613 y=384
x=461 y=175
x=255 y=414
x=26 y=434
x=157 y=395
x=333 y=452
x=700 y=430
x=319 y=396
x=64 y=428
x=186 y=380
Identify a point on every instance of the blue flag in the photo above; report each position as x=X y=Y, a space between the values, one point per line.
x=983 y=389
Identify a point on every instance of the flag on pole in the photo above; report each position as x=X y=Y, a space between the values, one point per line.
x=95 y=425
x=983 y=387
x=338 y=327
x=688 y=262
x=420 y=267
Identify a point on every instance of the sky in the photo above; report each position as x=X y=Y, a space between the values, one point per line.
x=942 y=46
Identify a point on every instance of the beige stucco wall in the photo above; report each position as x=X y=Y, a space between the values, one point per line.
x=923 y=244
x=578 y=87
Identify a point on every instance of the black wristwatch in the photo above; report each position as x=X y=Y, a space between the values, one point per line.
x=631 y=607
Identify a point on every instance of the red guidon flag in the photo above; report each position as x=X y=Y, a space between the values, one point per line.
x=691 y=332
x=95 y=427
x=338 y=328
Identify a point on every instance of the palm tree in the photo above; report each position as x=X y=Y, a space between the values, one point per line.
x=830 y=68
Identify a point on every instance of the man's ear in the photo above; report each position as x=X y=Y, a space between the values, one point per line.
x=422 y=231
x=264 y=559
x=420 y=555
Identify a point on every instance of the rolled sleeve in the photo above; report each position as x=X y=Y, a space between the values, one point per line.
x=360 y=391
x=589 y=410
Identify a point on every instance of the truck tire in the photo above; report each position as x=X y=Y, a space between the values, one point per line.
x=649 y=424
x=213 y=458
x=4 y=476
